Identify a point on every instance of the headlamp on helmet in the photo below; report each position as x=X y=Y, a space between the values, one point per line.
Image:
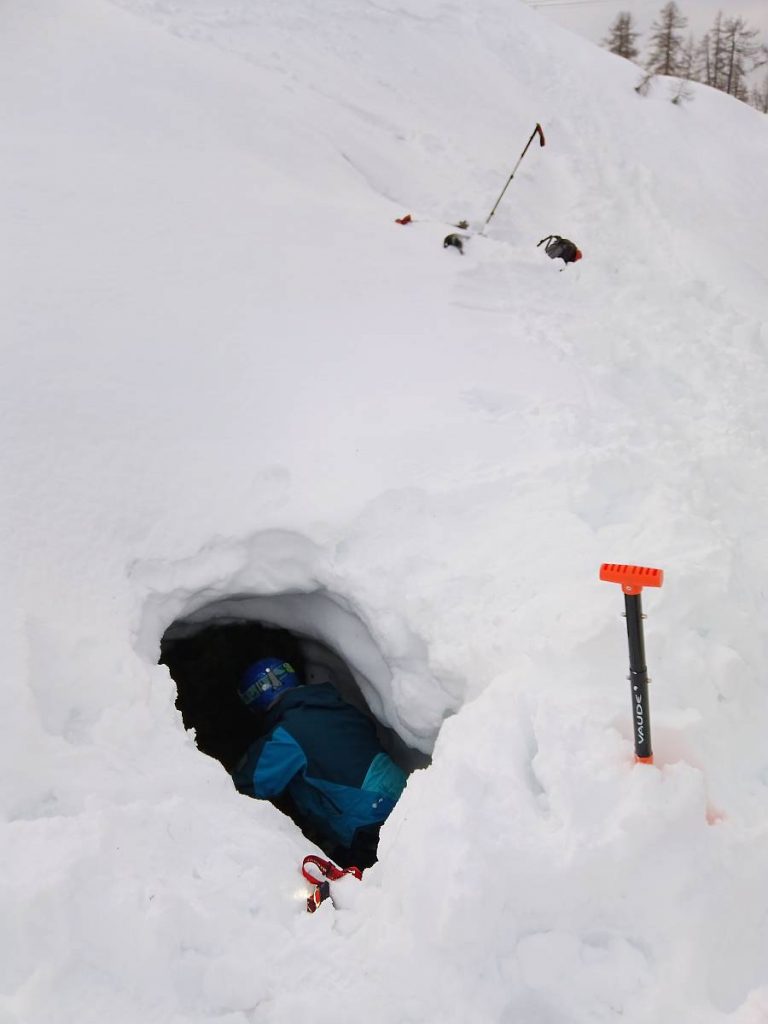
x=264 y=681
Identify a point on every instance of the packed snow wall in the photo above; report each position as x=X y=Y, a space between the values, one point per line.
x=284 y=580
x=208 y=652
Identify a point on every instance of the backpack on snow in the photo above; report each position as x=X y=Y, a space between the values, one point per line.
x=561 y=248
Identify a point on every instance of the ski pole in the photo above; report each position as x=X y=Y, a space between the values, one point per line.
x=536 y=131
x=632 y=579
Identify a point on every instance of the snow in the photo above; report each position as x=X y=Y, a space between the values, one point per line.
x=227 y=374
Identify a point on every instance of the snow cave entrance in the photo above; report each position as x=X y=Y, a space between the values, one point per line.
x=207 y=652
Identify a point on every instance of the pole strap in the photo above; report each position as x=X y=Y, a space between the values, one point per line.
x=321 y=886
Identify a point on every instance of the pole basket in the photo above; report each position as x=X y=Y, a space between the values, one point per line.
x=632 y=579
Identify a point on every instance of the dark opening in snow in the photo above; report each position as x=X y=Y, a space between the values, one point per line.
x=206 y=665
x=207 y=655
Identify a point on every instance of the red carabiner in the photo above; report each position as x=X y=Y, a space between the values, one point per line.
x=330 y=872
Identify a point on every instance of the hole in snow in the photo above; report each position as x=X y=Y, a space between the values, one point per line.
x=208 y=651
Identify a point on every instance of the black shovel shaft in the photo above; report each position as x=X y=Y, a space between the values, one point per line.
x=638 y=677
x=536 y=131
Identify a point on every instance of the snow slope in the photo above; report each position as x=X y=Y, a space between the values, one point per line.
x=226 y=371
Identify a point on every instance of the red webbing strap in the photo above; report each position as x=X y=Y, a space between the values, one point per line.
x=330 y=873
x=328 y=869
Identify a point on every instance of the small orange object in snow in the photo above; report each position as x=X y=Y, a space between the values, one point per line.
x=404 y=220
x=631 y=577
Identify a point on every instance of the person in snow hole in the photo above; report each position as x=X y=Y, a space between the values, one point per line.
x=560 y=248
x=319 y=760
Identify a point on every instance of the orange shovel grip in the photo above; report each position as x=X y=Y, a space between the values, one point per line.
x=632 y=578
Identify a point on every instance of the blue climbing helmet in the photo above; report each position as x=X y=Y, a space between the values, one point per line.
x=264 y=681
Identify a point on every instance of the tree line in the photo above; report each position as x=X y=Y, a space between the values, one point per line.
x=724 y=58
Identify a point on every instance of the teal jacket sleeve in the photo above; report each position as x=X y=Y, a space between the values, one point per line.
x=270 y=765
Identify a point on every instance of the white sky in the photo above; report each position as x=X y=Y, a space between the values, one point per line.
x=592 y=18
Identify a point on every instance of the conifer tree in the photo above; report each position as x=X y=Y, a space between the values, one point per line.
x=666 y=41
x=742 y=55
x=687 y=66
x=759 y=96
x=728 y=54
x=686 y=71
x=622 y=36
x=704 y=71
x=716 y=54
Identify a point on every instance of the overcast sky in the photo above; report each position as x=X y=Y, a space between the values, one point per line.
x=593 y=18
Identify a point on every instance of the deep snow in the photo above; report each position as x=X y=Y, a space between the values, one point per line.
x=226 y=371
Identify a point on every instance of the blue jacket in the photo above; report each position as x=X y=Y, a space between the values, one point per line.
x=324 y=753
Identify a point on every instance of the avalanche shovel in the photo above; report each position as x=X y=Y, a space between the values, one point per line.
x=632 y=579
